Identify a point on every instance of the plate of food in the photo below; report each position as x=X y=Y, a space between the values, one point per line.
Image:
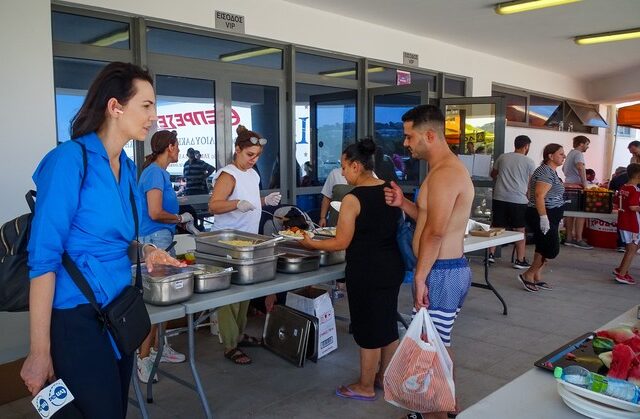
x=326 y=231
x=294 y=233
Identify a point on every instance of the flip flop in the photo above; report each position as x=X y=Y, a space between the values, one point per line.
x=529 y=286
x=543 y=286
x=346 y=393
x=249 y=341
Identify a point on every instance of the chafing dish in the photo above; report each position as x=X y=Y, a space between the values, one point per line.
x=326 y=258
x=248 y=271
x=208 y=278
x=166 y=285
x=295 y=261
x=210 y=243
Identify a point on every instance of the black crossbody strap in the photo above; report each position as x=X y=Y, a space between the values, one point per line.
x=134 y=209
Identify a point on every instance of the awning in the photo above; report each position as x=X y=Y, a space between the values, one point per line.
x=629 y=116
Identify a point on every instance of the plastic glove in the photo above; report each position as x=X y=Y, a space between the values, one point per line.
x=544 y=224
x=191 y=228
x=185 y=217
x=245 y=206
x=272 y=199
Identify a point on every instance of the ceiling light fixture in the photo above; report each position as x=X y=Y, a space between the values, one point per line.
x=597 y=38
x=527 y=5
x=342 y=73
x=248 y=53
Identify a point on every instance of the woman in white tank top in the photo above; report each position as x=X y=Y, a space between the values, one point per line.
x=236 y=203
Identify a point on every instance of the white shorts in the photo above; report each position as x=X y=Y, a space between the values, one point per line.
x=629 y=237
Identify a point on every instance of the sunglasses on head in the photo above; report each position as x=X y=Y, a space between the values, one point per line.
x=255 y=141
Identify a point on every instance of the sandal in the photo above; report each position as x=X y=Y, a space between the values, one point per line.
x=249 y=341
x=529 y=286
x=238 y=357
x=543 y=286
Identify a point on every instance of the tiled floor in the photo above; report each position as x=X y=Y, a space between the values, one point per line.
x=490 y=349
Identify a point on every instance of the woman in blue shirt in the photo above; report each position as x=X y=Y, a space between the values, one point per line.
x=157 y=227
x=89 y=215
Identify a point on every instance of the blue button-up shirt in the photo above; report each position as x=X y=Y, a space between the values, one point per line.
x=95 y=225
x=155 y=177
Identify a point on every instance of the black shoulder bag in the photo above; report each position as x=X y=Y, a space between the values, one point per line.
x=126 y=317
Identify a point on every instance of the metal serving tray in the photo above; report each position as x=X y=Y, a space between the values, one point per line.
x=286 y=333
x=296 y=261
x=208 y=278
x=326 y=258
x=250 y=271
x=166 y=285
x=210 y=243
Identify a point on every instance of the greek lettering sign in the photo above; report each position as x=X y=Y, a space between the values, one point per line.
x=229 y=22
x=409 y=58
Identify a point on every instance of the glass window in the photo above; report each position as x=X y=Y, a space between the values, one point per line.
x=516 y=106
x=624 y=131
x=163 y=41
x=454 y=87
x=325 y=125
x=386 y=76
x=188 y=106
x=544 y=111
x=326 y=66
x=393 y=161
x=89 y=31
x=588 y=115
x=257 y=108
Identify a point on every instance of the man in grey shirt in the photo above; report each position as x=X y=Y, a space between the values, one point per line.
x=576 y=177
x=511 y=172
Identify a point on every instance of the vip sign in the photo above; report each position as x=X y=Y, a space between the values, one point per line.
x=195 y=124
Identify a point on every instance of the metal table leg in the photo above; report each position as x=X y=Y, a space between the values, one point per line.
x=156 y=363
x=194 y=371
x=488 y=285
x=136 y=389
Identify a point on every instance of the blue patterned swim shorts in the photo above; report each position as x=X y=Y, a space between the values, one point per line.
x=448 y=284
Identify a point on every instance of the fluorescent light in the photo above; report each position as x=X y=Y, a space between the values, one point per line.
x=249 y=53
x=608 y=37
x=342 y=73
x=527 y=5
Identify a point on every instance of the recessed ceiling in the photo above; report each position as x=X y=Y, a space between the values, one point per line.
x=541 y=38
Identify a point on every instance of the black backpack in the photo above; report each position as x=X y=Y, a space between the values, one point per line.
x=14 y=270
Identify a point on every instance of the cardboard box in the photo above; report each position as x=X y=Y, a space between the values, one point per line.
x=316 y=302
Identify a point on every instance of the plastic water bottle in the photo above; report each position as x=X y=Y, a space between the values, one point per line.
x=582 y=377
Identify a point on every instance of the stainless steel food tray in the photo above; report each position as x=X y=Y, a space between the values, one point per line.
x=210 y=243
x=296 y=261
x=208 y=278
x=326 y=258
x=166 y=285
x=247 y=272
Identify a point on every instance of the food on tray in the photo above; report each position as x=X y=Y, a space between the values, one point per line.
x=602 y=344
x=294 y=233
x=606 y=358
x=237 y=243
x=326 y=231
x=621 y=363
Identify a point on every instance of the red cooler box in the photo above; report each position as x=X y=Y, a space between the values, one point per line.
x=601 y=233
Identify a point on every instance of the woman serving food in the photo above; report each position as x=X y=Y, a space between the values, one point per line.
x=236 y=203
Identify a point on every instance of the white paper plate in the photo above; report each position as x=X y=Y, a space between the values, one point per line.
x=336 y=205
x=286 y=236
x=598 y=406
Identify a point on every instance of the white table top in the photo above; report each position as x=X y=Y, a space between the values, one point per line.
x=604 y=217
x=159 y=314
x=472 y=243
x=282 y=282
x=534 y=394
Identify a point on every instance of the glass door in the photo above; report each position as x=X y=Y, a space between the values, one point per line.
x=386 y=107
x=474 y=129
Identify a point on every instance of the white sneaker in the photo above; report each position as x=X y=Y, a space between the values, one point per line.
x=168 y=355
x=144 y=366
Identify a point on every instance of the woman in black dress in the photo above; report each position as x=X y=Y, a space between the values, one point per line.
x=367 y=229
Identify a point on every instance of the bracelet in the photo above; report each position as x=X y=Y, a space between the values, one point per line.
x=148 y=244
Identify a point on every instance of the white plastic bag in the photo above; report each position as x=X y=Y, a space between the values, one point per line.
x=420 y=374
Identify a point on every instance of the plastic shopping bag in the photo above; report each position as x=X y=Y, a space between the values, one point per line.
x=420 y=374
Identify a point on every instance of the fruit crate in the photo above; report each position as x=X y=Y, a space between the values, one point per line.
x=573 y=200
x=598 y=201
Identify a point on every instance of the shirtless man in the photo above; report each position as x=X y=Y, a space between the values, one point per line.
x=442 y=277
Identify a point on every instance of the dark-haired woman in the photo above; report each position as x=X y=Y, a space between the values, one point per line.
x=367 y=229
x=236 y=203
x=157 y=227
x=88 y=214
x=544 y=212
